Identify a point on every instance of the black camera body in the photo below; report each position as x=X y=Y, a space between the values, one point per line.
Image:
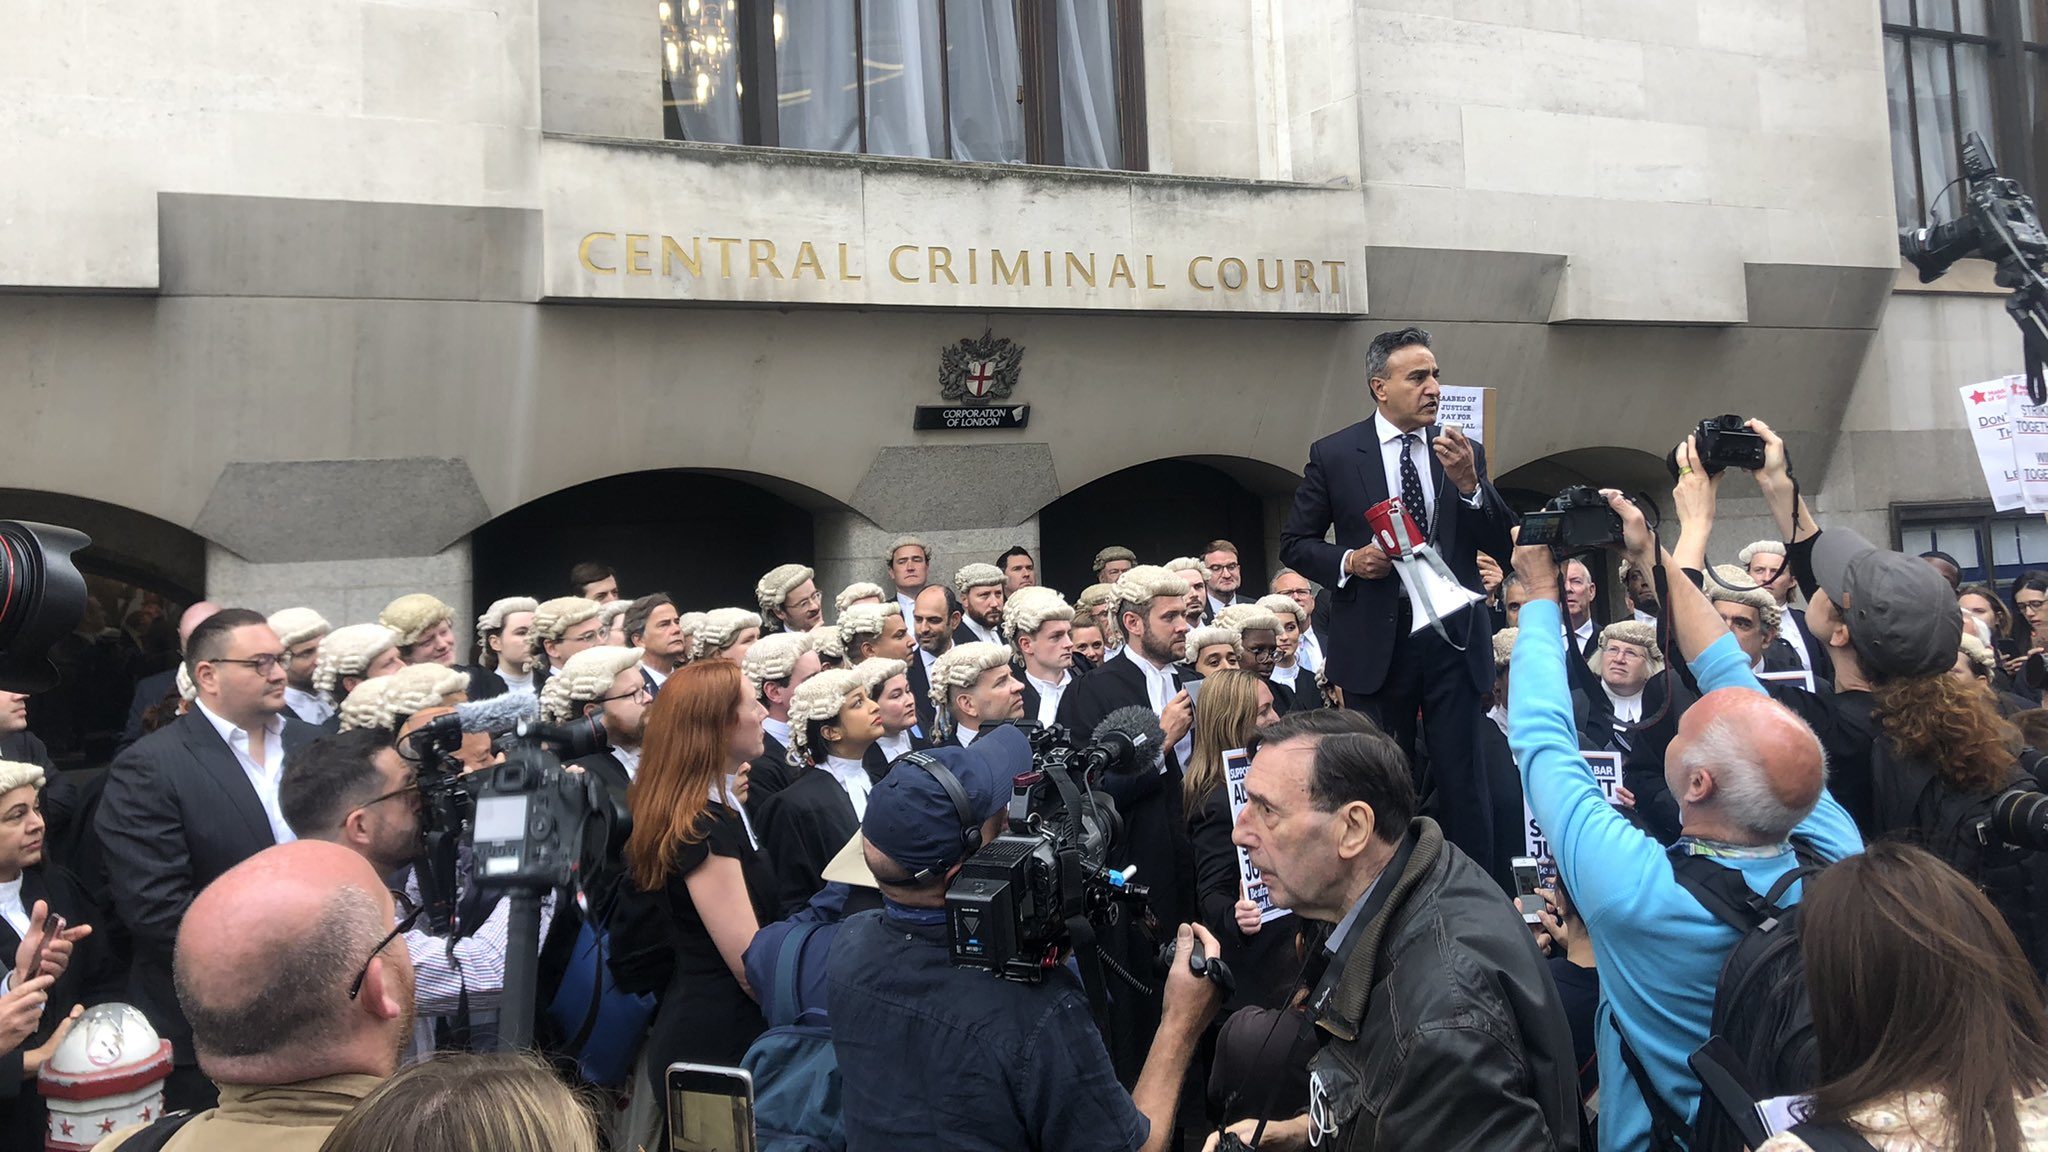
x=2019 y=817
x=1009 y=908
x=1577 y=519
x=1721 y=443
x=1998 y=223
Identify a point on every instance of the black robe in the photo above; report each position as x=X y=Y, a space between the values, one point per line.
x=767 y=774
x=801 y=828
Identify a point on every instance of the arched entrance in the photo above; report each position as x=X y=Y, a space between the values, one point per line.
x=703 y=537
x=1527 y=487
x=1163 y=509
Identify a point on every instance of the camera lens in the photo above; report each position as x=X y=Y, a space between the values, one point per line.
x=2020 y=818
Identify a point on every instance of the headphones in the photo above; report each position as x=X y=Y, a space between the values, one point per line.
x=970 y=828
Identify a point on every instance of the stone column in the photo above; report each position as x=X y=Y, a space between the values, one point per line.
x=344 y=591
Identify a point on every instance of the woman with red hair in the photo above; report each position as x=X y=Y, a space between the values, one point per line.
x=696 y=881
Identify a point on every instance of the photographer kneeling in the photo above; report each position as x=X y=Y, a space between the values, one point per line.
x=931 y=1055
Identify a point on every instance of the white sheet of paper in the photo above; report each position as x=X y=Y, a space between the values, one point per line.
x=1235 y=764
x=1606 y=772
x=1987 y=412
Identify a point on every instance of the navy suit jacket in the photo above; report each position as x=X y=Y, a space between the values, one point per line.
x=1345 y=476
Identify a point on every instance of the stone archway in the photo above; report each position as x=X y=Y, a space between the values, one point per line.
x=1167 y=508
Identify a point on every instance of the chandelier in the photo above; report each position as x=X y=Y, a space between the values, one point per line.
x=697 y=49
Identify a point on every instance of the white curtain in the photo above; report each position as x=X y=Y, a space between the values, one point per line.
x=901 y=60
x=815 y=58
x=1088 y=113
x=985 y=68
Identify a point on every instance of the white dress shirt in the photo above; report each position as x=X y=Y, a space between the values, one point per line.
x=852 y=776
x=655 y=674
x=1390 y=460
x=779 y=729
x=964 y=734
x=1627 y=709
x=895 y=746
x=1049 y=695
x=976 y=628
x=11 y=909
x=265 y=776
x=520 y=684
x=1643 y=617
x=312 y=707
x=1308 y=653
x=930 y=661
x=1583 y=636
x=1282 y=674
x=1160 y=689
x=909 y=604
x=629 y=759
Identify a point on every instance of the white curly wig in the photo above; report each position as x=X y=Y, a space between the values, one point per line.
x=876 y=671
x=1111 y=555
x=961 y=666
x=1208 y=636
x=364 y=707
x=1759 y=547
x=720 y=628
x=1732 y=583
x=552 y=619
x=774 y=657
x=347 y=651
x=1029 y=609
x=976 y=576
x=905 y=541
x=825 y=642
x=295 y=626
x=18 y=774
x=584 y=677
x=864 y=621
x=417 y=687
x=1631 y=632
x=821 y=697
x=413 y=616
x=187 y=690
x=1276 y=604
x=859 y=590
x=1249 y=618
x=1186 y=564
x=1504 y=647
x=774 y=588
x=493 y=619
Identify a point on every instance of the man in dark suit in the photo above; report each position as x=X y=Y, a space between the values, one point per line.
x=935 y=619
x=1152 y=605
x=1385 y=668
x=192 y=800
x=153 y=688
x=980 y=589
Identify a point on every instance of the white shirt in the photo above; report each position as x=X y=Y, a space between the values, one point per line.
x=1793 y=636
x=1049 y=695
x=1499 y=715
x=629 y=759
x=1627 y=709
x=312 y=707
x=1582 y=635
x=521 y=683
x=725 y=796
x=1161 y=688
x=655 y=674
x=852 y=776
x=909 y=604
x=1390 y=460
x=978 y=630
x=11 y=909
x=1285 y=675
x=263 y=777
x=779 y=729
x=895 y=746
x=930 y=661
x=1308 y=652
x=1643 y=617
x=964 y=734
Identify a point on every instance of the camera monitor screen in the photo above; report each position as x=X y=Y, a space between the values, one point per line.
x=500 y=818
x=710 y=1108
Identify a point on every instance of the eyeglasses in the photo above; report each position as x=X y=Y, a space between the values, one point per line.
x=643 y=694
x=263 y=663
x=1230 y=567
x=410 y=789
x=812 y=601
x=2031 y=606
x=408 y=914
x=587 y=637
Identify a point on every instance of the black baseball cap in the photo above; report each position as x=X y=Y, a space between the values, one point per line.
x=1902 y=615
x=912 y=819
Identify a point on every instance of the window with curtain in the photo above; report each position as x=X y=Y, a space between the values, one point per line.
x=1937 y=57
x=1006 y=81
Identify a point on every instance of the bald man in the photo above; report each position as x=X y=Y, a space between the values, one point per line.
x=1747 y=775
x=158 y=685
x=299 y=994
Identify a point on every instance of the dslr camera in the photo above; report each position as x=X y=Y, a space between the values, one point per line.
x=2019 y=817
x=1577 y=519
x=1720 y=443
x=1009 y=908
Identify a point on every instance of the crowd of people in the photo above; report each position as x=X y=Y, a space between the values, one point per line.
x=1785 y=808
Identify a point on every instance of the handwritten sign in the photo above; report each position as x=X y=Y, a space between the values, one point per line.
x=1235 y=764
x=1606 y=773
x=1988 y=413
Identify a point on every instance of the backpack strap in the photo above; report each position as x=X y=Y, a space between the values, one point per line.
x=1722 y=891
x=1832 y=1138
x=1668 y=1130
x=158 y=1133
x=786 y=958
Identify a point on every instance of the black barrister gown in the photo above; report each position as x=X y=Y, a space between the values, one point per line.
x=801 y=828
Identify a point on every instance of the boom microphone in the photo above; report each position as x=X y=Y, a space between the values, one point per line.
x=1128 y=742
x=498 y=714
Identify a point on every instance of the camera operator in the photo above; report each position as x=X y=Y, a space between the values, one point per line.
x=1747 y=776
x=358 y=791
x=931 y=1055
x=1437 y=1019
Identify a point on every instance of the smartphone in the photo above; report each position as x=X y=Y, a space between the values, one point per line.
x=1528 y=874
x=710 y=1108
x=53 y=927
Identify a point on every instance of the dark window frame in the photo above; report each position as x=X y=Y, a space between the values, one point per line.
x=1038 y=49
x=1906 y=515
x=2014 y=131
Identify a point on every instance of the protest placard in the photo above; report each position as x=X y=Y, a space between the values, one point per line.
x=1235 y=764
x=1606 y=771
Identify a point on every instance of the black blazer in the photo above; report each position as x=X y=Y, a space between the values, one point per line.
x=921 y=687
x=148 y=691
x=87 y=979
x=177 y=812
x=1823 y=668
x=1344 y=477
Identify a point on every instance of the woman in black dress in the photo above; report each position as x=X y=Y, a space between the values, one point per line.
x=694 y=866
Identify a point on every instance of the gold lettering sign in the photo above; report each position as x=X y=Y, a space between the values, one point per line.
x=685 y=259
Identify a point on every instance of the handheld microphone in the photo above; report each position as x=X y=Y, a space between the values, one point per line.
x=1128 y=742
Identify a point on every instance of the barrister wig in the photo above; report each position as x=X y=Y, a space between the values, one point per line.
x=414 y=616
x=417 y=687
x=187 y=690
x=612 y=610
x=295 y=626
x=774 y=657
x=976 y=576
x=858 y=590
x=961 y=667
x=774 y=588
x=1504 y=647
x=1634 y=632
x=1980 y=655
x=1208 y=636
x=365 y=705
x=720 y=628
x=818 y=699
x=1029 y=609
x=1136 y=589
x=552 y=619
x=347 y=651
x=1099 y=601
x=876 y=671
x=1732 y=584
x=1759 y=548
x=493 y=619
x=17 y=774
x=692 y=623
x=1249 y=618
x=583 y=678
x=906 y=541
x=1277 y=604
x=1186 y=564
x=1111 y=555
x=825 y=642
x=1094 y=597
x=864 y=622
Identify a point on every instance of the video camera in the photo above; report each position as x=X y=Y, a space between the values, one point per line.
x=1576 y=520
x=1015 y=904
x=1722 y=442
x=42 y=598
x=1999 y=224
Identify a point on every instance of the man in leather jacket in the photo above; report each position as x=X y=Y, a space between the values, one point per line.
x=1437 y=1022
